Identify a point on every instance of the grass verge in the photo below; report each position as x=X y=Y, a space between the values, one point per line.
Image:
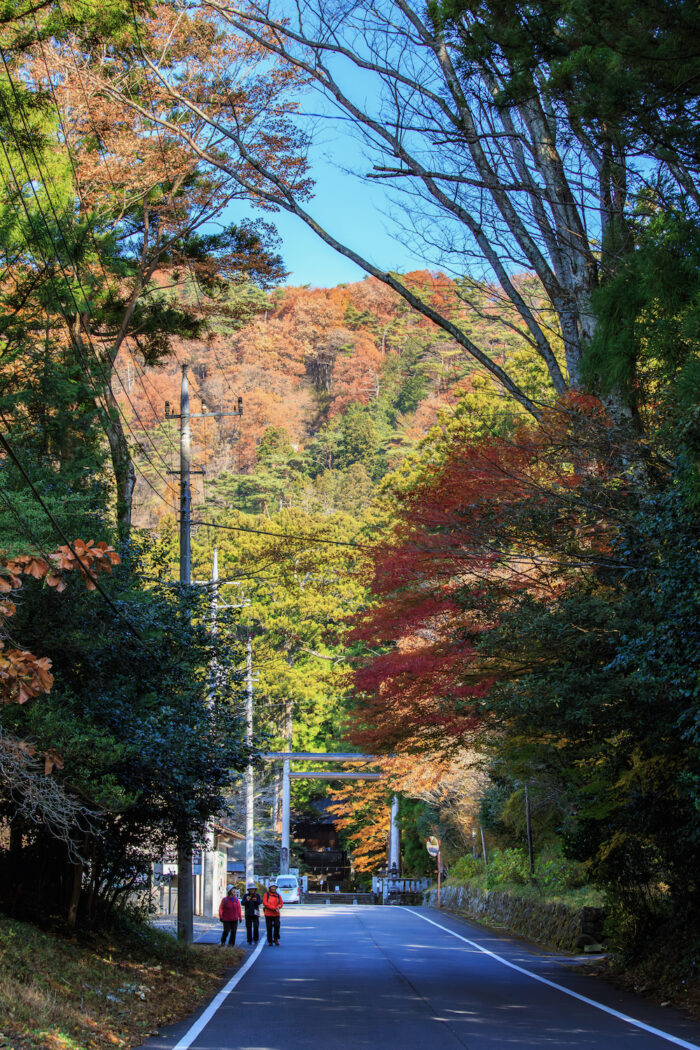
x=96 y=991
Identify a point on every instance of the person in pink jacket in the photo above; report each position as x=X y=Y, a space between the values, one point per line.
x=230 y=915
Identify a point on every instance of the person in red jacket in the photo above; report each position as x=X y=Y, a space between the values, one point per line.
x=230 y=914
x=272 y=906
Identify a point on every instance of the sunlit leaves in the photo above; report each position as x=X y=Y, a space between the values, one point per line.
x=24 y=676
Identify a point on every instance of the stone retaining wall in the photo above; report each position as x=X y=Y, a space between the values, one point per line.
x=555 y=925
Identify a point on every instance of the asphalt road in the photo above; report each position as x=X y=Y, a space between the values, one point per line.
x=396 y=978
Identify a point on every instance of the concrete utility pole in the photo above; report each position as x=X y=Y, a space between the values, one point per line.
x=208 y=854
x=249 y=777
x=214 y=610
x=185 y=898
x=286 y=786
x=185 y=489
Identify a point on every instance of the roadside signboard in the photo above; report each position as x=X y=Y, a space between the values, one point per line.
x=433 y=847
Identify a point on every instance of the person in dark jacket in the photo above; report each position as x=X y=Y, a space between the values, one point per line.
x=272 y=906
x=252 y=902
x=230 y=915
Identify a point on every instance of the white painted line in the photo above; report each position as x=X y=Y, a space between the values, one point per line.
x=216 y=1002
x=560 y=988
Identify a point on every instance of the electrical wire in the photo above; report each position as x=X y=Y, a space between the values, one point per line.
x=195 y=283
x=60 y=532
x=103 y=155
x=45 y=261
x=289 y=536
x=77 y=275
x=165 y=166
x=24 y=525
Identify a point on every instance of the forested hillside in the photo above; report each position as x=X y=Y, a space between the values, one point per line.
x=337 y=385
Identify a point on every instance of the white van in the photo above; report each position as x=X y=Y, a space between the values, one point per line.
x=288 y=888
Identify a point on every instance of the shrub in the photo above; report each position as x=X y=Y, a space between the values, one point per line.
x=553 y=872
x=507 y=866
x=466 y=868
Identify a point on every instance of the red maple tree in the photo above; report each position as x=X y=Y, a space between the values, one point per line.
x=486 y=521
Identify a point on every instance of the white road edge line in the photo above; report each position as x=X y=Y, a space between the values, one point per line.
x=204 y=1019
x=560 y=988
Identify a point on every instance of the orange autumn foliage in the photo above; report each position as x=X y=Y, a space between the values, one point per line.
x=23 y=675
x=363 y=816
x=303 y=357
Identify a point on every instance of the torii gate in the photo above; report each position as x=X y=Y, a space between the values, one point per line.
x=287 y=757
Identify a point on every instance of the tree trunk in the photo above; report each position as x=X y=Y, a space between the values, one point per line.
x=122 y=464
x=528 y=828
x=76 y=889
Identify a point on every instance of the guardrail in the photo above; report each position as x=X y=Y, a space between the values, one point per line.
x=314 y=897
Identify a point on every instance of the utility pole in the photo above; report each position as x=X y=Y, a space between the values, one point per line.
x=185 y=899
x=214 y=607
x=208 y=854
x=286 y=800
x=249 y=776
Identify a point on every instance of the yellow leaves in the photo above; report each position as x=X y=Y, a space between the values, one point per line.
x=652 y=772
x=613 y=844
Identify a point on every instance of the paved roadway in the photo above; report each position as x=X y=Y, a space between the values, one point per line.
x=372 y=978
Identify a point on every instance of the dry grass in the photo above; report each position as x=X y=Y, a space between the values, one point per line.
x=93 y=992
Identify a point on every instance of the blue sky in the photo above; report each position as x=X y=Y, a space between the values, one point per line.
x=349 y=207
x=352 y=211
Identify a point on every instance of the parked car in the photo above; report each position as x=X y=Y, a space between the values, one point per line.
x=288 y=888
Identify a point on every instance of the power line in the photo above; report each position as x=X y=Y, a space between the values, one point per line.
x=67 y=247
x=72 y=337
x=60 y=532
x=141 y=376
x=24 y=525
x=111 y=178
x=96 y=246
x=288 y=536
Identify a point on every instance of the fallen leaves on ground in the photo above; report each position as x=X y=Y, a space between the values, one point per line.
x=100 y=991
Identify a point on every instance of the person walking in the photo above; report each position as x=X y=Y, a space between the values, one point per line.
x=252 y=902
x=230 y=914
x=272 y=906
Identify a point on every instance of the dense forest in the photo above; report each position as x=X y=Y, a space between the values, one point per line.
x=331 y=379
x=457 y=516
